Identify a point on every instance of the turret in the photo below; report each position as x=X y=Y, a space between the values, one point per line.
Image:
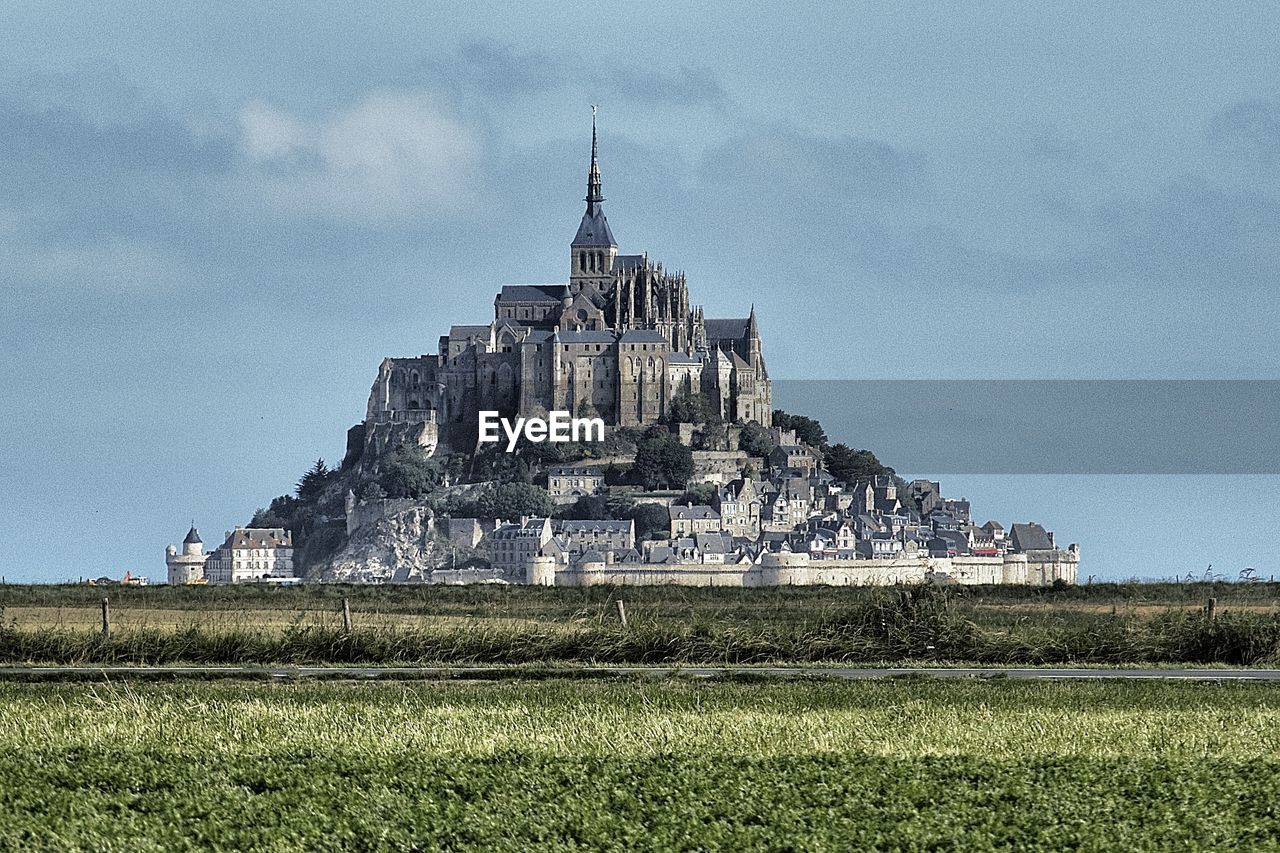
x=192 y=546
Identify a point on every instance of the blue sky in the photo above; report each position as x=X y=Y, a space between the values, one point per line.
x=214 y=223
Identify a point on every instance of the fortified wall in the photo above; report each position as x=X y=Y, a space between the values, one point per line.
x=785 y=569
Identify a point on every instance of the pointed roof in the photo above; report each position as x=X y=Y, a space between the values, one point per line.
x=193 y=538
x=594 y=228
x=753 y=331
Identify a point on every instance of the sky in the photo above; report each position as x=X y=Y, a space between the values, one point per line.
x=215 y=222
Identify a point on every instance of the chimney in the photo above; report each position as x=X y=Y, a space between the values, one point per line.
x=1051 y=545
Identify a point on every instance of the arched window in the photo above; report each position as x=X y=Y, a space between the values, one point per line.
x=413 y=380
x=582 y=261
x=600 y=260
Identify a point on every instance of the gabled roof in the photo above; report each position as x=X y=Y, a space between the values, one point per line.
x=542 y=293
x=680 y=358
x=726 y=329
x=643 y=336
x=1030 y=537
x=700 y=512
x=601 y=526
x=259 y=537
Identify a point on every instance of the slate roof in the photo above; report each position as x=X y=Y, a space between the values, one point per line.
x=463 y=332
x=193 y=538
x=576 y=471
x=726 y=329
x=543 y=293
x=588 y=336
x=259 y=537
x=713 y=543
x=603 y=526
x=1030 y=537
x=643 y=336
x=594 y=229
x=694 y=512
x=681 y=358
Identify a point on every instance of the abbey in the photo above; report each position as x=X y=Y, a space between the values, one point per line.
x=618 y=341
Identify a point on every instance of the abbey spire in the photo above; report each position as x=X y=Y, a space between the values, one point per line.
x=593 y=249
x=595 y=193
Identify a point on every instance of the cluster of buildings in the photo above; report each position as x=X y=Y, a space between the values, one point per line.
x=794 y=515
x=246 y=554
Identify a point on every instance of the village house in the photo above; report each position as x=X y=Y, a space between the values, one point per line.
x=688 y=520
x=567 y=483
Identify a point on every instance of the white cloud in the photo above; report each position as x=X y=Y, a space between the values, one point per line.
x=394 y=153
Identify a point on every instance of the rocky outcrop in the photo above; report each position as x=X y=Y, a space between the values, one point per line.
x=400 y=546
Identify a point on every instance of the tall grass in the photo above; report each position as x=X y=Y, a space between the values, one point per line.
x=918 y=624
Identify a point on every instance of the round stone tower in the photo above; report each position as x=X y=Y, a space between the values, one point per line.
x=188 y=566
x=541 y=571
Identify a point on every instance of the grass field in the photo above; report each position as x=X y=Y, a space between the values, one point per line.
x=1102 y=624
x=811 y=765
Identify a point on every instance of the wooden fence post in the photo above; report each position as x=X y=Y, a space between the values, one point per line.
x=1211 y=609
x=346 y=615
x=622 y=612
x=106 y=617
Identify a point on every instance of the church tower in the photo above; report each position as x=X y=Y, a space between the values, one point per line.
x=593 y=249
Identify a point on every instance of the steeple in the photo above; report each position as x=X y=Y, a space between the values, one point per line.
x=594 y=230
x=595 y=194
x=753 y=331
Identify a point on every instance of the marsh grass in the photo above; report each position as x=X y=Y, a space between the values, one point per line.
x=919 y=624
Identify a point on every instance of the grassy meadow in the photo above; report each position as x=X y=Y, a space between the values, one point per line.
x=1101 y=623
x=812 y=765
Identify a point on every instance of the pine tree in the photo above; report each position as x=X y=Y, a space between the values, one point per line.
x=314 y=481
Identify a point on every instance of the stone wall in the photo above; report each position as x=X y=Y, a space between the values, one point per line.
x=1033 y=569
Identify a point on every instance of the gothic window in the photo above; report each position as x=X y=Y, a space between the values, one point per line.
x=413 y=404
x=582 y=261
x=413 y=379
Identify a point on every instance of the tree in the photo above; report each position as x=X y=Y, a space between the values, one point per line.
x=661 y=460
x=755 y=439
x=807 y=429
x=700 y=494
x=653 y=521
x=585 y=508
x=847 y=465
x=408 y=473
x=314 y=481
x=512 y=500
x=691 y=407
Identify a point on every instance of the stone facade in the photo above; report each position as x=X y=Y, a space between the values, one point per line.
x=567 y=483
x=618 y=341
x=187 y=566
x=251 y=554
x=792 y=569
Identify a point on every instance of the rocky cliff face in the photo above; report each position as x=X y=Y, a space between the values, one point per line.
x=400 y=546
